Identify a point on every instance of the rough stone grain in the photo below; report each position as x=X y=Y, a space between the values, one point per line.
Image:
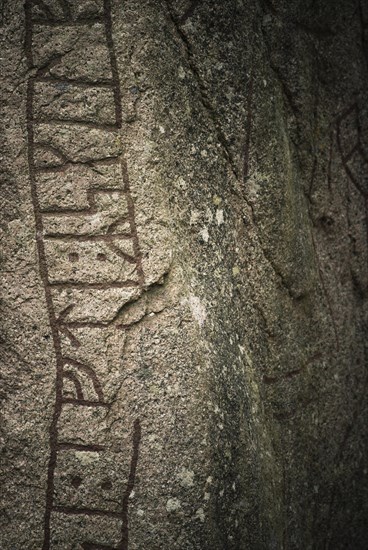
x=184 y=274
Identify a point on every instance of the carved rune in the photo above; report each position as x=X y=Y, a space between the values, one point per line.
x=89 y=258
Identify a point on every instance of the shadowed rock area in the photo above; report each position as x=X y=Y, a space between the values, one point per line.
x=184 y=189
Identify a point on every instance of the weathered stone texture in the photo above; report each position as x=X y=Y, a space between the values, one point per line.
x=185 y=271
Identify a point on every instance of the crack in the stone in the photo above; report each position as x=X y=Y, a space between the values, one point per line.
x=189 y=12
x=287 y=93
x=318 y=263
x=203 y=96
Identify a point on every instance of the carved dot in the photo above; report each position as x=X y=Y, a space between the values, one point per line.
x=73 y=257
x=106 y=485
x=101 y=257
x=76 y=481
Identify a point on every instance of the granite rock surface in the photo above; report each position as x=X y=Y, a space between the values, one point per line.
x=184 y=273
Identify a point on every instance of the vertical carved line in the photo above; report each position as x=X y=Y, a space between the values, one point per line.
x=45 y=282
x=119 y=119
x=113 y=62
x=118 y=114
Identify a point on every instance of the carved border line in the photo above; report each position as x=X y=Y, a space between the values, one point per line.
x=44 y=277
x=56 y=446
